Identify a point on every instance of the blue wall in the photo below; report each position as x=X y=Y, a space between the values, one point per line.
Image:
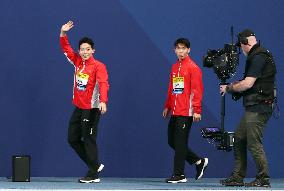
x=135 y=40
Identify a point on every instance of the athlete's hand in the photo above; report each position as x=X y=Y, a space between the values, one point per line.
x=66 y=27
x=102 y=107
x=166 y=112
x=196 y=117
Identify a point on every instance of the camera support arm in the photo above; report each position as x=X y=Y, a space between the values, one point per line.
x=223 y=111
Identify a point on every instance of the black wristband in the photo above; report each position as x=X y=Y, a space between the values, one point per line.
x=229 y=88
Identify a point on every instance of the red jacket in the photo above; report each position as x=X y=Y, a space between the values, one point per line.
x=185 y=88
x=90 y=78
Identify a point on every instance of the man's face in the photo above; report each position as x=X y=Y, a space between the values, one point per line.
x=86 y=51
x=182 y=51
x=245 y=49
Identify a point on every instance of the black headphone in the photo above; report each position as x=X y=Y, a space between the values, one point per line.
x=243 y=39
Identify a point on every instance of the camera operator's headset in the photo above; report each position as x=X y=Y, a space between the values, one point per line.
x=243 y=39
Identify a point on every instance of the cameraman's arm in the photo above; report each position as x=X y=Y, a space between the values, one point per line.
x=241 y=86
x=254 y=72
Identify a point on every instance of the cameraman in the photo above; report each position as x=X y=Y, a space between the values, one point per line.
x=257 y=89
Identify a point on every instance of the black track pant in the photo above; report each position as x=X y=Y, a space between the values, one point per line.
x=178 y=132
x=82 y=135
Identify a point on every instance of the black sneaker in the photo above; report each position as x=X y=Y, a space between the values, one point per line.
x=176 y=179
x=89 y=180
x=90 y=177
x=232 y=181
x=258 y=183
x=200 y=168
x=92 y=173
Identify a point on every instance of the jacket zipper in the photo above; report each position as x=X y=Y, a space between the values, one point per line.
x=179 y=68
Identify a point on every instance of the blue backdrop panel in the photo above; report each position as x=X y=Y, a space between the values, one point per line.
x=135 y=41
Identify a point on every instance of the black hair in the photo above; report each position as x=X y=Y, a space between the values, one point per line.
x=86 y=40
x=183 y=41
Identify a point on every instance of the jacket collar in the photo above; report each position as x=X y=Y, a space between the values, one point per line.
x=90 y=60
x=185 y=60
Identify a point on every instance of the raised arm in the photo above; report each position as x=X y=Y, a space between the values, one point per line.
x=71 y=55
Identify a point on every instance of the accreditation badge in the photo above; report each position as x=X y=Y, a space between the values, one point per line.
x=82 y=81
x=178 y=85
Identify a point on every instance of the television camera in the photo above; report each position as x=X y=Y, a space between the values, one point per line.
x=224 y=63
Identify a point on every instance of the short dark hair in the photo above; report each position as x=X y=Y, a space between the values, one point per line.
x=246 y=33
x=86 y=40
x=183 y=41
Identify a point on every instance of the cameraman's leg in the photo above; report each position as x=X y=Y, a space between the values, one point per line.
x=255 y=129
x=240 y=148
x=240 y=154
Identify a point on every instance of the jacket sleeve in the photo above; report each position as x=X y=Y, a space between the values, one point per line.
x=70 y=54
x=102 y=79
x=168 y=100
x=196 y=89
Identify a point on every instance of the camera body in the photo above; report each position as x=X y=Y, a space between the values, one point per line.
x=224 y=61
x=222 y=140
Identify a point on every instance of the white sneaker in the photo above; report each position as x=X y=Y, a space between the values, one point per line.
x=89 y=180
x=101 y=167
x=200 y=168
